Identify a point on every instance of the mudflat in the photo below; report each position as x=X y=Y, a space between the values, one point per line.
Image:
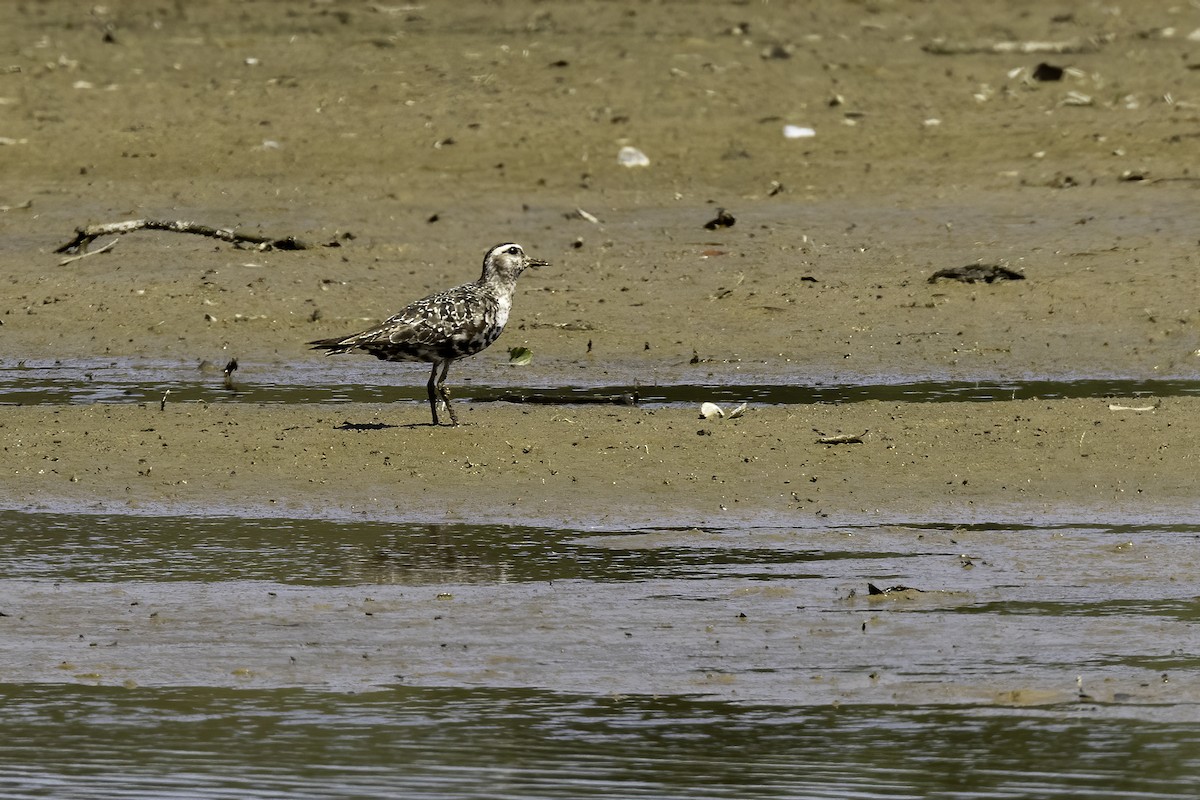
x=404 y=141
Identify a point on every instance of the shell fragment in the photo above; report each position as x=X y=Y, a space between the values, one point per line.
x=714 y=411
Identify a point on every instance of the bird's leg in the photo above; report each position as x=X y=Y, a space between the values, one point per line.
x=433 y=392
x=444 y=393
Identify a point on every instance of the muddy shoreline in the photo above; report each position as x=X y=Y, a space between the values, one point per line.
x=599 y=468
x=416 y=139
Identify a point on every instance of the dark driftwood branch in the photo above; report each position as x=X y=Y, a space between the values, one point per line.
x=988 y=273
x=86 y=235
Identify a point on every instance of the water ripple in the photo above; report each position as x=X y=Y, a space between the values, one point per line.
x=426 y=743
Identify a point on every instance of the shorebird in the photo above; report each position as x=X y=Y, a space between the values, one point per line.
x=447 y=325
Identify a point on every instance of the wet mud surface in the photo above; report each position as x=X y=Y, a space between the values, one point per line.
x=776 y=616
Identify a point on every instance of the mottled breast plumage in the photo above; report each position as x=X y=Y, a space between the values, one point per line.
x=452 y=324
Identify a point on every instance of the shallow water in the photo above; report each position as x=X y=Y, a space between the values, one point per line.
x=364 y=381
x=158 y=656
x=88 y=742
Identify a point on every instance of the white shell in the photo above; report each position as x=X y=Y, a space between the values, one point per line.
x=798 y=132
x=737 y=412
x=632 y=157
x=711 y=411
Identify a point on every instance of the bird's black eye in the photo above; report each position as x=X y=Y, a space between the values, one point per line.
x=513 y=251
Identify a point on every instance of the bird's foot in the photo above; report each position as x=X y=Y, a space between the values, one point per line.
x=444 y=395
x=438 y=418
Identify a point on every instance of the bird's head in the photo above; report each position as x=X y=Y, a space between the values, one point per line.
x=507 y=261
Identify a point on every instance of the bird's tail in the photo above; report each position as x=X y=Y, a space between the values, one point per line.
x=338 y=344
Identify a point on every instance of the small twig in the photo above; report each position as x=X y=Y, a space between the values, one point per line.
x=86 y=235
x=87 y=253
x=843 y=438
x=942 y=47
x=1119 y=407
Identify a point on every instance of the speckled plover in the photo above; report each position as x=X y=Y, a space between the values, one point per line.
x=447 y=325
